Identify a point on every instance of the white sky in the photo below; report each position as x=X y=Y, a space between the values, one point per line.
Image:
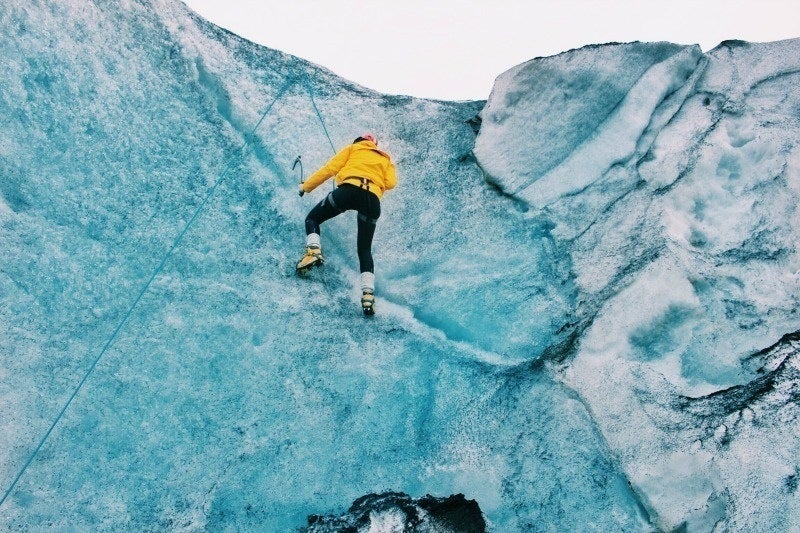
x=453 y=50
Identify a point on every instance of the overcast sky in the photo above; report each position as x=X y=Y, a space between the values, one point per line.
x=453 y=50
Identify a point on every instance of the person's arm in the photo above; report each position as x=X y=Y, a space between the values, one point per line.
x=330 y=169
x=391 y=176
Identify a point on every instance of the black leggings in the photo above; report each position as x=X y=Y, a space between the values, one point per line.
x=344 y=198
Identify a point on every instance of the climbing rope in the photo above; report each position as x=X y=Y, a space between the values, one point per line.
x=316 y=110
x=144 y=289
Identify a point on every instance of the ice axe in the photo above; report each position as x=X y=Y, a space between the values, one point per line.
x=299 y=161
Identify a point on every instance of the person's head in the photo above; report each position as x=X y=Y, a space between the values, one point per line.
x=367 y=137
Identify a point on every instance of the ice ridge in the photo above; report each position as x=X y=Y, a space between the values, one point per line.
x=678 y=217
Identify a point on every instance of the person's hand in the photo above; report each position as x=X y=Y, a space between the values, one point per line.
x=300 y=190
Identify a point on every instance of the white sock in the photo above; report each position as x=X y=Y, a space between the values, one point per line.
x=312 y=239
x=367 y=281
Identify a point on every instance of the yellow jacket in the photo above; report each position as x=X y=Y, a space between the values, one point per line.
x=355 y=161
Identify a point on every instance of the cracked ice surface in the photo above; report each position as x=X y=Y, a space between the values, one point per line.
x=679 y=218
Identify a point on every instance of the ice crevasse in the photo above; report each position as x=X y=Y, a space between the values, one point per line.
x=587 y=287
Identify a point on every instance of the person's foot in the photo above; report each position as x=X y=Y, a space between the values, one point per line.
x=312 y=258
x=368 y=302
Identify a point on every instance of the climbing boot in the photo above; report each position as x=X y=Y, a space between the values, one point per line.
x=368 y=302
x=312 y=258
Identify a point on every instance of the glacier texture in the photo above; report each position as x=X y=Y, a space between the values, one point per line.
x=587 y=286
x=677 y=205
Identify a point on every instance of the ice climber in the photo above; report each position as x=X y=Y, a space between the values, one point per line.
x=363 y=173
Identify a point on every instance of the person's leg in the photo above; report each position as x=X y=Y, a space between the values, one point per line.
x=324 y=210
x=337 y=202
x=321 y=212
x=366 y=231
x=369 y=211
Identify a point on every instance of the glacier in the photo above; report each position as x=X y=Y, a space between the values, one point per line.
x=587 y=286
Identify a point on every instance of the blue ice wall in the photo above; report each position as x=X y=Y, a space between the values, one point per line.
x=583 y=324
x=233 y=394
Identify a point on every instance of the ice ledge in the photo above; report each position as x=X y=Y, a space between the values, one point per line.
x=554 y=125
x=618 y=137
